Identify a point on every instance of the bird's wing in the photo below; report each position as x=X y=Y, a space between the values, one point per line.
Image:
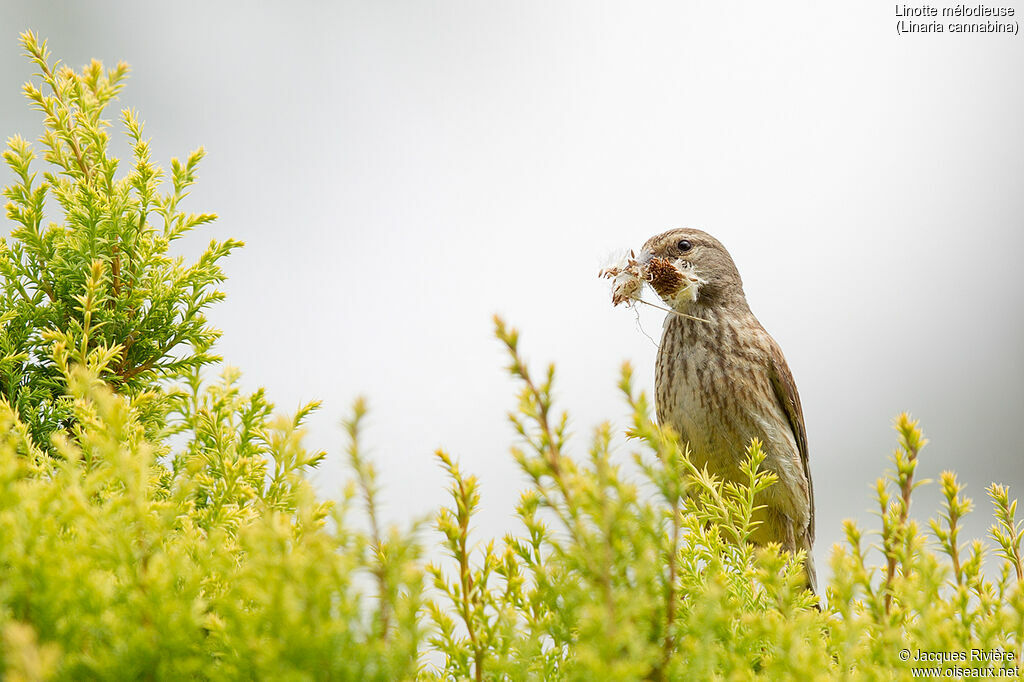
x=789 y=399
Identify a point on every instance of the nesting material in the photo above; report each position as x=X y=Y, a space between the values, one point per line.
x=627 y=282
x=672 y=279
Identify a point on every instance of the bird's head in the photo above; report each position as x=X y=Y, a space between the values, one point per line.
x=696 y=252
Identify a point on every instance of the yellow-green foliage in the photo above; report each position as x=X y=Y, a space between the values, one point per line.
x=154 y=526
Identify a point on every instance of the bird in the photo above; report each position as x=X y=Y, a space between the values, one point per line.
x=722 y=380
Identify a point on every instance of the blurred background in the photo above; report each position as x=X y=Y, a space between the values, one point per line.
x=402 y=170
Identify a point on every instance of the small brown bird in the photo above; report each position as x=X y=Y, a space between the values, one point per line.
x=722 y=380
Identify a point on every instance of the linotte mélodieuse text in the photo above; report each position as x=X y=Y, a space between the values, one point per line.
x=960 y=18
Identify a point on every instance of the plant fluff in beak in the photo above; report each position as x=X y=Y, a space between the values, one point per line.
x=672 y=279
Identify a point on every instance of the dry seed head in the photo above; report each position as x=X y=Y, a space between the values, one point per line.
x=627 y=280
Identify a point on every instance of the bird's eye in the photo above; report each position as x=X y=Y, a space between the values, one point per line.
x=684 y=245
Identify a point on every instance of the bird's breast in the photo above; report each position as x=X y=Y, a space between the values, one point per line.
x=710 y=376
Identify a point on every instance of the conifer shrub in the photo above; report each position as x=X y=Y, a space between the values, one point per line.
x=155 y=524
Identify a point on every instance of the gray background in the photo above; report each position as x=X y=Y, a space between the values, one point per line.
x=402 y=170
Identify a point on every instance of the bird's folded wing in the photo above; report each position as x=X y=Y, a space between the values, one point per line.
x=789 y=399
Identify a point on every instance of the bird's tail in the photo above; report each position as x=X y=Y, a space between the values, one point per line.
x=804 y=542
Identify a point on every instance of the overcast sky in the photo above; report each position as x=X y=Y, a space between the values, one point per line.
x=400 y=171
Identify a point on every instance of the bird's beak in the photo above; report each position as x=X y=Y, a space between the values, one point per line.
x=645 y=257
